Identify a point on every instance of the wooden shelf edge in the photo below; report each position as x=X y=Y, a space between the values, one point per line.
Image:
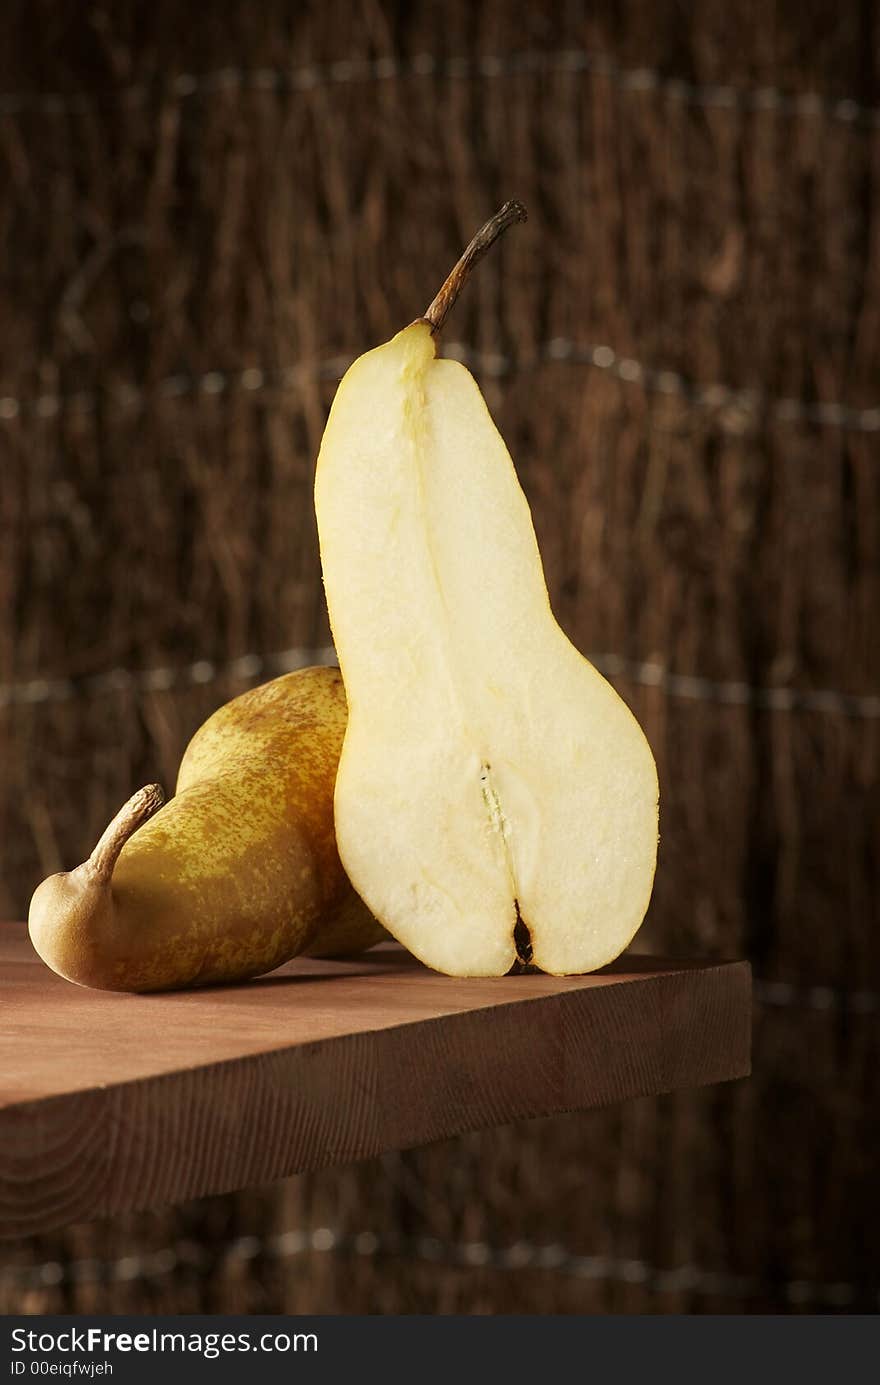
x=251 y=1120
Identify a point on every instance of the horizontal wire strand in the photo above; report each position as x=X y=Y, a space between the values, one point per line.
x=647 y=673
x=737 y=410
x=468 y=1254
x=811 y=105
x=806 y=997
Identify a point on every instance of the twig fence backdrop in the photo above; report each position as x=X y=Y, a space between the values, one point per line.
x=202 y=225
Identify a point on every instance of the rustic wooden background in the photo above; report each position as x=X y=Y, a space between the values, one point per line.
x=205 y=212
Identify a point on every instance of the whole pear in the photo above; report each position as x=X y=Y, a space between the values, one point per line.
x=233 y=876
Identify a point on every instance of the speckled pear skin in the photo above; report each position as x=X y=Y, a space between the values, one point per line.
x=233 y=876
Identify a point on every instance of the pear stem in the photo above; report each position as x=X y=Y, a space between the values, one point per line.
x=484 y=239
x=141 y=806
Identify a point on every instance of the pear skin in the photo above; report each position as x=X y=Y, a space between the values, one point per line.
x=233 y=876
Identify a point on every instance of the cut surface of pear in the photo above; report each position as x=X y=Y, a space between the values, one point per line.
x=496 y=800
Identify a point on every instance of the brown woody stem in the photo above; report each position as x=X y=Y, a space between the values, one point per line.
x=141 y=806
x=484 y=239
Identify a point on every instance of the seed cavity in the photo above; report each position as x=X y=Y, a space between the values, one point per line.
x=522 y=938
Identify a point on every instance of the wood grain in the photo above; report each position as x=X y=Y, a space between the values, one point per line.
x=116 y=1102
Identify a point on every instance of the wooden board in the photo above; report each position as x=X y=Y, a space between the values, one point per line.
x=114 y=1102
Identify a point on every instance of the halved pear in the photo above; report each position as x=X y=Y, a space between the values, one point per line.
x=496 y=800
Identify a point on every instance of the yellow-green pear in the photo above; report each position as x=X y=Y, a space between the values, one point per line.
x=235 y=874
x=496 y=802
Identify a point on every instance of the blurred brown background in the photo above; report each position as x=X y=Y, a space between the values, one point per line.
x=205 y=212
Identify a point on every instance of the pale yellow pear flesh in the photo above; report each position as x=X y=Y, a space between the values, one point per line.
x=491 y=781
x=237 y=873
